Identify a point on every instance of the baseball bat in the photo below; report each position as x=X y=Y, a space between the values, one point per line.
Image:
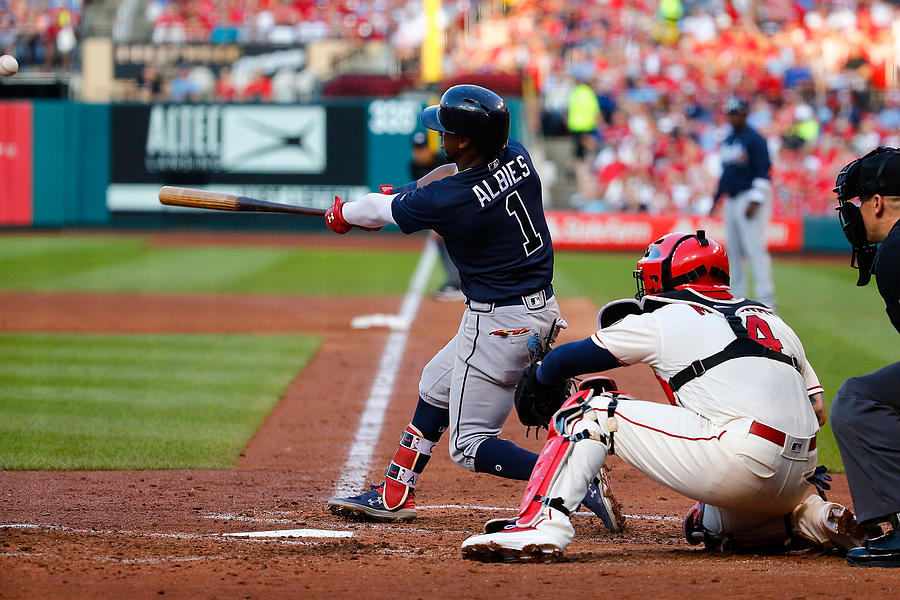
x=179 y=196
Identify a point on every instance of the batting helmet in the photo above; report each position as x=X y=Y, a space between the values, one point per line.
x=682 y=260
x=474 y=112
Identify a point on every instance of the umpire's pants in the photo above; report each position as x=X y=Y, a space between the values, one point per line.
x=865 y=418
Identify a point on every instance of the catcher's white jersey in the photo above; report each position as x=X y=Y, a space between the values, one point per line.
x=671 y=337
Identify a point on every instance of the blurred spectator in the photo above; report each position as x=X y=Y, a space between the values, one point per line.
x=582 y=120
x=8 y=33
x=183 y=87
x=149 y=85
x=225 y=89
x=259 y=88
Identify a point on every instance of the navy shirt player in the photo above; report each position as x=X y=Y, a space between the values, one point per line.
x=748 y=208
x=487 y=205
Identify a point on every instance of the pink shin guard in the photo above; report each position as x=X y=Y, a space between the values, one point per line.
x=554 y=453
x=560 y=465
x=413 y=453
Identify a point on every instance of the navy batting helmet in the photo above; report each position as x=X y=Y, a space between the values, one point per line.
x=474 y=112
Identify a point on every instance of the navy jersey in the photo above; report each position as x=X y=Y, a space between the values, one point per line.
x=745 y=157
x=492 y=220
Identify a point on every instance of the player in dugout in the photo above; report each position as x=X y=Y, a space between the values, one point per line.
x=487 y=206
x=865 y=414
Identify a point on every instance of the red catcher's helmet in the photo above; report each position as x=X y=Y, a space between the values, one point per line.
x=682 y=260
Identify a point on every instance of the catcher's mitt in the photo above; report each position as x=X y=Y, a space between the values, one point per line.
x=535 y=402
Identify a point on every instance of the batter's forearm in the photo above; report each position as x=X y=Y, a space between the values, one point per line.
x=372 y=210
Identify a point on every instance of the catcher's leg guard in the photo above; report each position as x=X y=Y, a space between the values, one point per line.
x=827 y=526
x=564 y=468
x=413 y=453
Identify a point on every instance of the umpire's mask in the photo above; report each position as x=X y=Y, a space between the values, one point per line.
x=863 y=178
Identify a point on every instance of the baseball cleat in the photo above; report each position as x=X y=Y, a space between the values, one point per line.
x=513 y=544
x=601 y=501
x=846 y=533
x=883 y=551
x=369 y=506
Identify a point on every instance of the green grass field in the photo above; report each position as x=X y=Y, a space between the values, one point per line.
x=64 y=405
x=71 y=401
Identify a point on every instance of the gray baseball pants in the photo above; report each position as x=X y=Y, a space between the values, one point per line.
x=746 y=242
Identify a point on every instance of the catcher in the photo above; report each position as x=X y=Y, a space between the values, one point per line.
x=739 y=436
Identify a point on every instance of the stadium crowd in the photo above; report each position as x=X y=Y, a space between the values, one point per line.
x=40 y=33
x=821 y=76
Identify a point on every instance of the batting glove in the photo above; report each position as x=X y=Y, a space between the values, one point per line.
x=334 y=219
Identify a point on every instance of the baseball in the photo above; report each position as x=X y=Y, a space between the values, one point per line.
x=8 y=65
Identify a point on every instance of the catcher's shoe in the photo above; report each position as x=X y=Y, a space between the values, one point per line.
x=601 y=501
x=513 y=544
x=369 y=506
x=694 y=531
x=830 y=525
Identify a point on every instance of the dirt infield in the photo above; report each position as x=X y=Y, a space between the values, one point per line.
x=158 y=533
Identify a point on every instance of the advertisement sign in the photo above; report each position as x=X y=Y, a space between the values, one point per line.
x=130 y=59
x=288 y=150
x=634 y=231
x=16 y=207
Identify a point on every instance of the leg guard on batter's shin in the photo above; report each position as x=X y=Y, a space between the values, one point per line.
x=413 y=453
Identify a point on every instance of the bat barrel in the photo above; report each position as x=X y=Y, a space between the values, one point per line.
x=194 y=198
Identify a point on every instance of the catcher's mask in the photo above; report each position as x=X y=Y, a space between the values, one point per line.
x=863 y=178
x=682 y=260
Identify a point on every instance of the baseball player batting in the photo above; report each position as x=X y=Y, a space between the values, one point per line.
x=487 y=205
x=739 y=435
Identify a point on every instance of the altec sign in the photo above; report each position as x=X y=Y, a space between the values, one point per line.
x=16 y=205
x=630 y=231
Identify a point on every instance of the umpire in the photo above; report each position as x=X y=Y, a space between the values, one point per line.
x=748 y=208
x=865 y=415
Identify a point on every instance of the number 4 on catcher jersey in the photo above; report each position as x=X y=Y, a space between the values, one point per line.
x=761 y=333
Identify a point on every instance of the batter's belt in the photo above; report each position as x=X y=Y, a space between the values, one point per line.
x=534 y=301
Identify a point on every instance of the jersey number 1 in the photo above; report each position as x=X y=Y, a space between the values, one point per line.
x=516 y=208
x=761 y=333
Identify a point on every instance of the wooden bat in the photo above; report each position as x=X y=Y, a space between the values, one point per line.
x=179 y=196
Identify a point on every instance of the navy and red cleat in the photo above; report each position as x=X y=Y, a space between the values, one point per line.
x=369 y=506
x=599 y=500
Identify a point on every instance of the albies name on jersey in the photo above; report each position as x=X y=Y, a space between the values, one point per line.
x=504 y=175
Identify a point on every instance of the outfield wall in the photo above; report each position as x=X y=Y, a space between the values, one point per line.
x=67 y=164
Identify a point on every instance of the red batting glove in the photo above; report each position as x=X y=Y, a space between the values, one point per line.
x=334 y=219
